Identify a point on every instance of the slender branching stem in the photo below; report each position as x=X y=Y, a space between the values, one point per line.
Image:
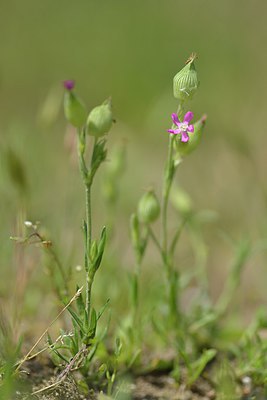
x=88 y=180
x=154 y=238
x=136 y=299
x=177 y=236
x=88 y=217
x=167 y=253
x=88 y=245
x=170 y=170
x=169 y=174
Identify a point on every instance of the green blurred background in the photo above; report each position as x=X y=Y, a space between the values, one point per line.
x=131 y=50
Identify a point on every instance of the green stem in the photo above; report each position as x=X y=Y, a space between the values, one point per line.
x=170 y=170
x=168 y=180
x=88 y=212
x=81 y=150
x=135 y=294
x=88 y=217
x=155 y=240
x=169 y=174
x=89 y=281
x=177 y=236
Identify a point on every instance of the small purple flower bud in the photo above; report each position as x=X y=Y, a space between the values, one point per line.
x=74 y=108
x=69 y=84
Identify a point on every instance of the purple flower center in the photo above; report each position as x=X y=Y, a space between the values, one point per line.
x=69 y=84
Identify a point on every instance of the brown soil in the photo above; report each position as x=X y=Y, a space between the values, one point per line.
x=164 y=388
x=147 y=387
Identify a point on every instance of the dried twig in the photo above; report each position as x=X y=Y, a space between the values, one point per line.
x=65 y=372
x=77 y=294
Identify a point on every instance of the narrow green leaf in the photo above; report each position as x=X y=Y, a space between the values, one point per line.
x=49 y=340
x=60 y=355
x=198 y=366
x=101 y=249
x=102 y=310
x=76 y=319
x=85 y=321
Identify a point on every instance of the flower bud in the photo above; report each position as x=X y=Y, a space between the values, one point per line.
x=194 y=138
x=148 y=207
x=181 y=201
x=185 y=82
x=100 y=119
x=93 y=251
x=74 y=109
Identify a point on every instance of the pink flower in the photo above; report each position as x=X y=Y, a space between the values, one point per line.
x=69 y=84
x=183 y=127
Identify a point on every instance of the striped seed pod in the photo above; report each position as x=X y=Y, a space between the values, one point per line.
x=185 y=82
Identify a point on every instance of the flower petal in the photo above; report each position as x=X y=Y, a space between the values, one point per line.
x=69 y=84
x=185 y=137
x=190 y=128
x=174 y=131
x=175 y=119
x=188 y=116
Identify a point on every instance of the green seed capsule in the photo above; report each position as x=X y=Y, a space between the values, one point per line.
x=194 y=138
x=148 y=207
x=185 y=82
x=100 y=120
x=74 y=109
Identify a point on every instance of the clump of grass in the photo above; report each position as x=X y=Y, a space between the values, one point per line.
x=9 y=353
